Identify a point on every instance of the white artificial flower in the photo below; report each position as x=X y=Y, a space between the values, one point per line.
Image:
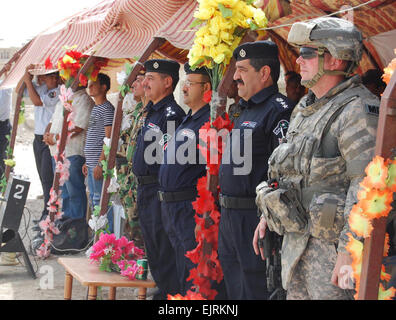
x=126 y=123
x=114 y=186
x=121 y=77
x=129 y=103
x=107 y=141
x=258 y=3
x=97 y=223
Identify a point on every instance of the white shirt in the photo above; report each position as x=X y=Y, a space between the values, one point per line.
x=43 y=114
x=5 y=103
x=82 y=106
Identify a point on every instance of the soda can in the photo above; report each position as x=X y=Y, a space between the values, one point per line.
x=141 y=274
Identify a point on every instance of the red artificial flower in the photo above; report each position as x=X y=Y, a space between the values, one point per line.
x=83 y=80
x=48 y=64
x=207 y=96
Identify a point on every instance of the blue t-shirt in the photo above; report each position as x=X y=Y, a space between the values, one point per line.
x=101 y=116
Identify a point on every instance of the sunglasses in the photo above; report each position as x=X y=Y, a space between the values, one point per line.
x=309 y=53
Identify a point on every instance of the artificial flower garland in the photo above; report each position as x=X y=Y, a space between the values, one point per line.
x=375 y=200
x=68 y=66
x=207 y=217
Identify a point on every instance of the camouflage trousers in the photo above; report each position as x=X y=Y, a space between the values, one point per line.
x=311 y=279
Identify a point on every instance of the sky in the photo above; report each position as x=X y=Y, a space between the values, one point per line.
x=21 y=20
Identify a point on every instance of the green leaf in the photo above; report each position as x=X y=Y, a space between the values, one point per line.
x=225 y=12
x=96 y=212
x=253 y=26
x=128 y=68
x=249 y=2
x=195 y=23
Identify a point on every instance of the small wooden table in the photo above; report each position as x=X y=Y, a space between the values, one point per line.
x=88 y=274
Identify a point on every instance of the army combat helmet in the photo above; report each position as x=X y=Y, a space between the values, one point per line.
x=337 y=36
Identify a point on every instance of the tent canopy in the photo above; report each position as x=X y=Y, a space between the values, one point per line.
x=122 y=29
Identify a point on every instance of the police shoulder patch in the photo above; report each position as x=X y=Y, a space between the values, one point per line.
x=282 y=127
x=170 y=112
x=372 y=109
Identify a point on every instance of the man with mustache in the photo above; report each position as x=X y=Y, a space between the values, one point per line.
x=263 y=120
x=160 y=81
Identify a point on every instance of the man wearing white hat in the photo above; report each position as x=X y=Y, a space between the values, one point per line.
x=44 y=97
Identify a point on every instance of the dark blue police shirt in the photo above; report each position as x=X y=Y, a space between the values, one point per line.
x=267 y=116
x=179 y=174
x=159 y=116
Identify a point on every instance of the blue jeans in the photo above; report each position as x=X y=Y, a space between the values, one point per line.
x=74 y=197
x=95 y=192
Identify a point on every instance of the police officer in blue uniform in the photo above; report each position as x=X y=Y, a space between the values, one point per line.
x=183 y=166
x=163 y=116
x=257 y=132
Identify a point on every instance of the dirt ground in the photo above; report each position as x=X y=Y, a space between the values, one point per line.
x=15 y=282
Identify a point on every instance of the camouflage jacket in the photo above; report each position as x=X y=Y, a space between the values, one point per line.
x=125 y=177
x=330 y=141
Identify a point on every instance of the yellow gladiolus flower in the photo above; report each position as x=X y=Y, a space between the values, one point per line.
x=240 y=20
x=219 y=58
x=260 y=18
x=211 y=40
x=243 y=8
x=227 y=37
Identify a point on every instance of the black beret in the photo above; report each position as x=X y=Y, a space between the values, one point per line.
x=202 y=70
x=169 y=67
x=256 y=50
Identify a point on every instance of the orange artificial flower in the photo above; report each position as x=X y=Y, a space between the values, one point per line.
x=377 y=173
x=386 y=294
x=377 y=203
x=359 y=223
x=388 y=71
x=391 y=179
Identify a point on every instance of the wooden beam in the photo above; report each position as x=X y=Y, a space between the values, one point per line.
x=15 y=57
x=374 y=246
x=115 y=132
x=63 y=136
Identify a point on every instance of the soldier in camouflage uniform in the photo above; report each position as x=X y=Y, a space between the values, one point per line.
x=314 y=174
x=134 y=113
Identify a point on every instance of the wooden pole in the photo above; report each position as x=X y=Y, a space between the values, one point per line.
x=63 y=136
x=14 y=58
x=115 y=131
x=374 y=245
x=15 y=124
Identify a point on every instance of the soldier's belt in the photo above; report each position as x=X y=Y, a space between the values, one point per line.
x=177 y=196
x=142 y=180
x=237 y=203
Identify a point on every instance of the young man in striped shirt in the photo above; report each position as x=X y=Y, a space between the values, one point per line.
x=100 y=124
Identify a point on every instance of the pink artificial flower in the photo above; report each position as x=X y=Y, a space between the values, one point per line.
x=121 y=264
x=130 y=271
x=65 y=96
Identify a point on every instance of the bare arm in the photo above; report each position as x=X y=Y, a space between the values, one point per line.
x=98 y=172
x=33 y=95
